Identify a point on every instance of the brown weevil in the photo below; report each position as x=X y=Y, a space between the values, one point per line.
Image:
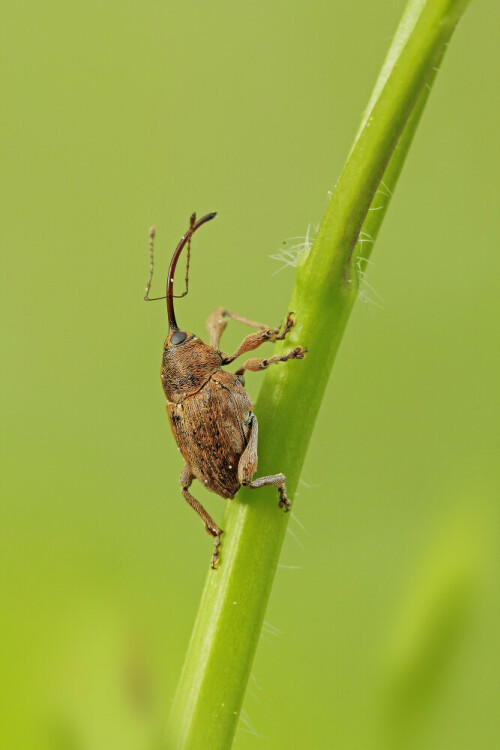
x=210 y=412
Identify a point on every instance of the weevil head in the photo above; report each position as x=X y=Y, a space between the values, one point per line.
x=187 y=364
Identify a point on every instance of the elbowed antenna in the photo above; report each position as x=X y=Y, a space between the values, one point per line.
x=193 y=226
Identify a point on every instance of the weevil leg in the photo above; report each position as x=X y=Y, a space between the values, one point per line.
x=256 y=339
x=185 y=480
x=255 y=364
x=276 y=480
x=248 y=466
x=217 y=322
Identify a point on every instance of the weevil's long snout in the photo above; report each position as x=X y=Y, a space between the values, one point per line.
x=194 y=225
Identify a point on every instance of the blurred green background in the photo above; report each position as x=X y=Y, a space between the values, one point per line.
x=383 y=626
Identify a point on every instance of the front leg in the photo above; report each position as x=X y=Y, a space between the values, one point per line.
x=248 y=466
x=254 y=340
x=217 y=323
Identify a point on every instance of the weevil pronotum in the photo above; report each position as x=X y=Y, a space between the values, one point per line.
x=210 y=412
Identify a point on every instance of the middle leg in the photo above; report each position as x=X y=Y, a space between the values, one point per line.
x=255 y=364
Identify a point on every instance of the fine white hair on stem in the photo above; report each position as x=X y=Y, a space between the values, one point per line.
x=289 y=256
x=386 y=188
x=367 y=293
x=270 y=629
x=254 y=680
x=299 y=523
x=294 y=536
x=248 y=726
x=309 y=485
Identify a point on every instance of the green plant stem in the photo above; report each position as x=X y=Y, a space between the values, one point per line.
x=387 y=185
x=215 y=674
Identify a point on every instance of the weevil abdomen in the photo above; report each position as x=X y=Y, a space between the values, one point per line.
x=209 y=428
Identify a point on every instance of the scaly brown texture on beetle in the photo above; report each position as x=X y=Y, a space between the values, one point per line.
x=210 y=412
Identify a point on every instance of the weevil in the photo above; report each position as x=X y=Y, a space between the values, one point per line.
x=210 y=412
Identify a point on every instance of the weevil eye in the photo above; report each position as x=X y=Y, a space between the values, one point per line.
x=178 y=337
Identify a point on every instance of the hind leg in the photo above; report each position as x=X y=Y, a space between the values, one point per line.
x=248 y=466
x=276 y=480
x=185 y=480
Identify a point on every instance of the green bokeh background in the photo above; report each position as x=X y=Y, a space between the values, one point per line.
x=383 y=626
